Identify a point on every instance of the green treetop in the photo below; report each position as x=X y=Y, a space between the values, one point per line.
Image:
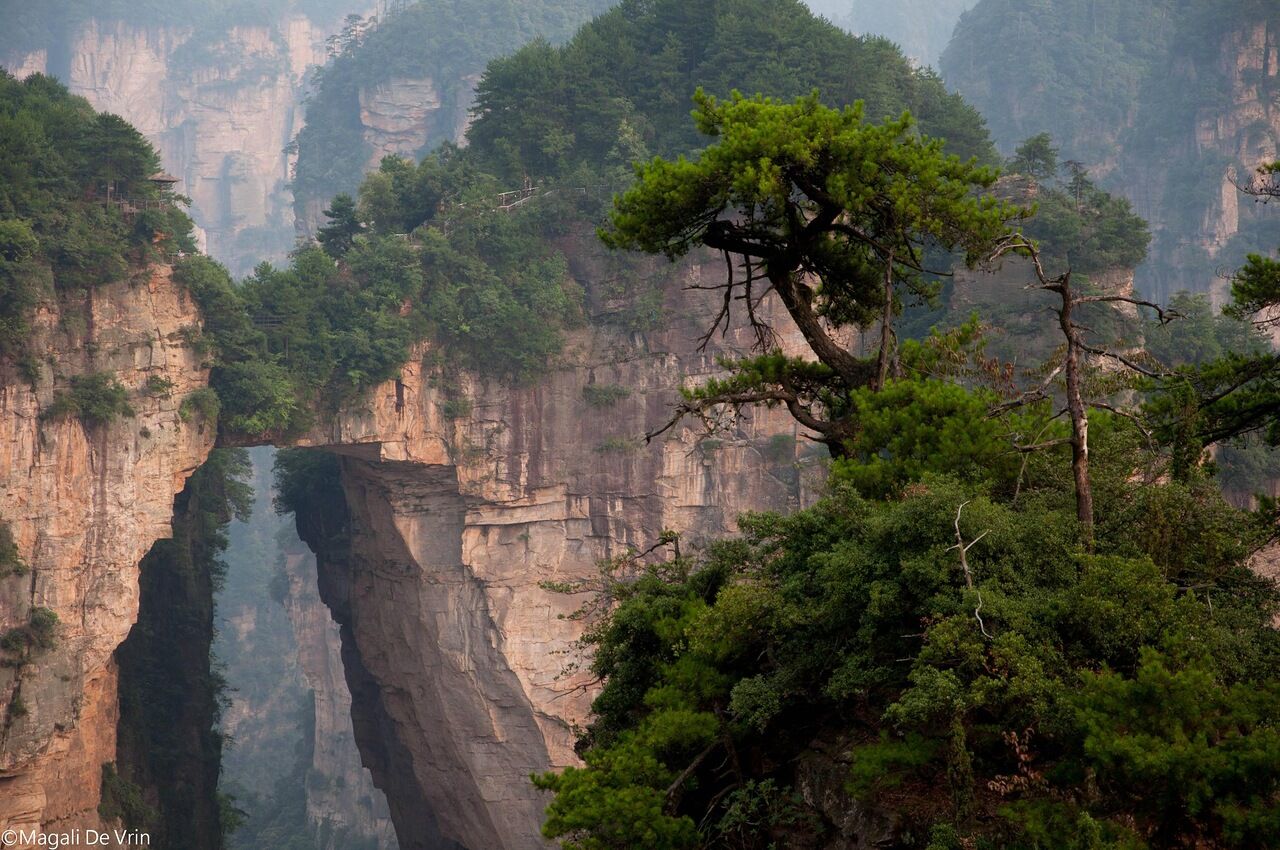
x=832 y=213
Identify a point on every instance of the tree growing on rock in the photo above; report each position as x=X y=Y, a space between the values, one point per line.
x=835 y=215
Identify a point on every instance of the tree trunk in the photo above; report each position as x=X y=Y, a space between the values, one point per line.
x=828 y=351
x=1079 y=418
x=886 y=327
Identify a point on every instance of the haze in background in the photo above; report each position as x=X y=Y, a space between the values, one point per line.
x=921 y=27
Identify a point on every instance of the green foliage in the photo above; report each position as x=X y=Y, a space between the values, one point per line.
x=1079 y=226
x=302 y=477
x=1193 y=753
x=123 y=801
x=1029 y=695
x=618 y=446
x=96 y=399
x=204 y=403
x=421 y=253
x=159 y=386
x=885 y=763
x=39 y=632
x=59 y=160
x=1255 y=287
x=253 y=393
x=1200 y=334
x=260 y=399
x=11 y=563
x=544 y=110
x=806 y=194
x=1037 y=158
x=456 y=408
x=42 y=623
x=445 y=41
x=604 y=395
x=914 y=427
x=338 y=236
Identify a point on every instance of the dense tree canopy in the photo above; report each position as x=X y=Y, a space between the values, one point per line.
x=1018 y=695
x=422 y=249
x=937 y=640
x=60 y=164
x=544 y=110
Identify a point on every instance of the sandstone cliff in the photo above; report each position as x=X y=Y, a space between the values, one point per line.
x=460 y=497
x=85 y=505
x=1200 y=221
x=1172 y=107
x=434 y=564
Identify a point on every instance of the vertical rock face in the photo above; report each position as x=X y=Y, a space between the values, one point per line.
x=85 y=504
x=402 y=116
x=1199 y=111
x=464 y=682
x=221 y=108
x=1245 y=132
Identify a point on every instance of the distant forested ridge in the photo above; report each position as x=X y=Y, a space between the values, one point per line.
x=1161 y=99
x=1072 y=68
x=444 y=41
x=1085 y=71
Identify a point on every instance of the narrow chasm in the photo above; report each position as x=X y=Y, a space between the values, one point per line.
x=235 y=714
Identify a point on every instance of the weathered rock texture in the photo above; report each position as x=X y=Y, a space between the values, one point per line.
x=85 y=504
x=401 y=116
x=1200 y=112
x=453 y=526
x=1191 y=199
x=221 y=109
x=460 y=497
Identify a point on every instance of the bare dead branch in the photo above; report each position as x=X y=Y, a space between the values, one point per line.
x=1141 y=370
x=1165 y=315
x=688 y=771
x=1031 y=396
x=963 y=549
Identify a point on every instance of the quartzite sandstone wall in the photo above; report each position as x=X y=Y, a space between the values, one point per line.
x=453 y=651
x=85 y=504
x=455 y=523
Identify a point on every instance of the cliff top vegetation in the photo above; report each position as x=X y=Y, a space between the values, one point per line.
x=61 y=166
